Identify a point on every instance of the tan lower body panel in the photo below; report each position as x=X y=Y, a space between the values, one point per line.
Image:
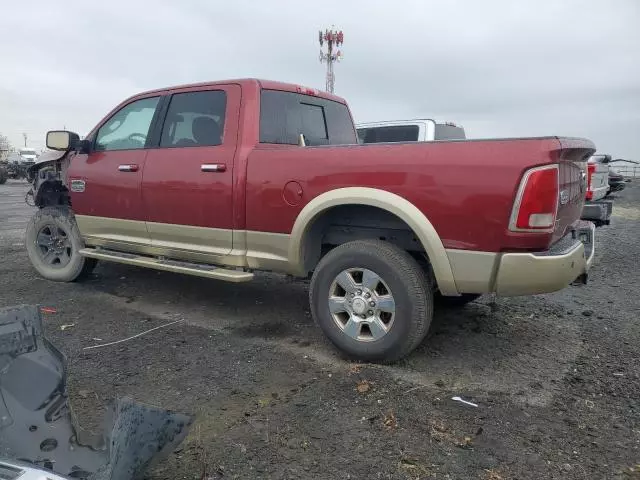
x=208 y=241
x=115 y=230
x=239 y=248
x=512 y=274
x=474 y=272
x=528 y=274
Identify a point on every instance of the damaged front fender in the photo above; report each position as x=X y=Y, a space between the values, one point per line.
x=37 y=425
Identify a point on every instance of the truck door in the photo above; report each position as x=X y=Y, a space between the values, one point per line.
x=105 y=184
x=187 y=184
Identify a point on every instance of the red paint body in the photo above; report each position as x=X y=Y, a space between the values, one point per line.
x=465 y=188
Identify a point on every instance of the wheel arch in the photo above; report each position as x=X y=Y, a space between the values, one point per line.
x=52 y=193
x=381 y=199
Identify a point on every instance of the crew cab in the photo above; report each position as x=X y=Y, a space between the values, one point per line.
x=420 y=130
x=226 y=178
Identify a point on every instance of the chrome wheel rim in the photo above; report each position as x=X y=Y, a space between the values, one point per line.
x=54 y=246
x=361 y=304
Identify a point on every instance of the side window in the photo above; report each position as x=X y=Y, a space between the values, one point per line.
x=279 y=119
x=285 y=115
x=129 y=127
x=194 y=119
x=341 y=129
x=314 y=124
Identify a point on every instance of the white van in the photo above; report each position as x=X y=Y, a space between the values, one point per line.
x=27 y=155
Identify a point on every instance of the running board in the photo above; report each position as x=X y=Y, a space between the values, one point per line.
x=197 y=269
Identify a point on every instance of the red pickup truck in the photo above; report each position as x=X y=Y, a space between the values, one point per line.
x=222 y=179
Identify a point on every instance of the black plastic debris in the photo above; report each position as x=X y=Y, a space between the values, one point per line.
x=37 y=425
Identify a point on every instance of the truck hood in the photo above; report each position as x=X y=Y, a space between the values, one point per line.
x=47 y=157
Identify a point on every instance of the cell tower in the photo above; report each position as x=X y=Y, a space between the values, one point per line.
x=333 y=39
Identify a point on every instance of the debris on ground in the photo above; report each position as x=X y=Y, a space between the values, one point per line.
x=390 y=420
x=133 y=336
x=67 y=326
x=491 y=474
x=458 y=399
x=363 y=386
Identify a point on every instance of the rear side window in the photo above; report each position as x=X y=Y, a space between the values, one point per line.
x=314 y=123
x=194 y=119
x=285 y=115
x=392 y=133
x=448 y=132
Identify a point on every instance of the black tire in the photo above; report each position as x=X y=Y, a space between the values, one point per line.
x=60 y=219
x=455 y=302
x=408 y=285
x=3 y=176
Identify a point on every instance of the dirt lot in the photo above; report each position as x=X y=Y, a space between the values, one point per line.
x=555 y=377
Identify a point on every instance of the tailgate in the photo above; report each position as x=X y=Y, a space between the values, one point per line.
x=573 y=154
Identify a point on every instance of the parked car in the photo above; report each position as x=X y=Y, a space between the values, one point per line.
x=616 y=182
x=423 y=130
x=596 y=209
x=16 y=167
x=222 y=179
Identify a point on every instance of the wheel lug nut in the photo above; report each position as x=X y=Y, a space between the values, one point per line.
x=372 y=303
x=367 y=295
x=370 y=312
x=359 y=292
x=352 y=295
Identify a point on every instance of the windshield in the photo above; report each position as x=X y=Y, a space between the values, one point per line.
x=25 y=152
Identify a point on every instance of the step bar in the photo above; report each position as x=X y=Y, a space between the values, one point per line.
x=168 y=265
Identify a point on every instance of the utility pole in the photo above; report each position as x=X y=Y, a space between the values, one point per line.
x=25 y=139
x=333 y=39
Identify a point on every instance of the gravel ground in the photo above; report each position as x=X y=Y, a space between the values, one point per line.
x=555 y=377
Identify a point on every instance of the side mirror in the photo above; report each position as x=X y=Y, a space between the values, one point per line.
x=62 y=140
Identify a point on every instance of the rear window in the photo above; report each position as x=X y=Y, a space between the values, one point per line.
x=285 y=115
x=448 y=132
x=392 y=133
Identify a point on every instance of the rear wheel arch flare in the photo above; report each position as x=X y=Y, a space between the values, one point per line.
x=390 y=202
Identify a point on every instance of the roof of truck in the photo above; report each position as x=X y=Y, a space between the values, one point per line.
x=265 y=84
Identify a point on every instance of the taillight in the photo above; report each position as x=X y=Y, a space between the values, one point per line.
x=536 y=204
x=591 y=169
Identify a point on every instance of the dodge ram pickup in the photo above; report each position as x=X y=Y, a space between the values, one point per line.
x=226 y=178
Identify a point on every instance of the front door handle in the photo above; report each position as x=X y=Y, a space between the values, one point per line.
x=213 y=167
x=128 y=168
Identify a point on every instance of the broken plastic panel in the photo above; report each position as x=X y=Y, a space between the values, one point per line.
x=37 y=425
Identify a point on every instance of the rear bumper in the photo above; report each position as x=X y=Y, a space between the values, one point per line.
x=511 y=274
x=598 y=212
x=544 y=272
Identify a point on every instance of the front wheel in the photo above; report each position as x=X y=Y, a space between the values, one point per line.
x=53 y=244
x=372 y=300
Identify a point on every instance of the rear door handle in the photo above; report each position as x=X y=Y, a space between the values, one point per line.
x=213 y=167
x=128 y=168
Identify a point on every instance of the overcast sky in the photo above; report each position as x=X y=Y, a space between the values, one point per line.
x=500 y=68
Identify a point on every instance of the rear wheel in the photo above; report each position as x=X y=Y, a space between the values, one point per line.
x=372 y=300
x=53 y=243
